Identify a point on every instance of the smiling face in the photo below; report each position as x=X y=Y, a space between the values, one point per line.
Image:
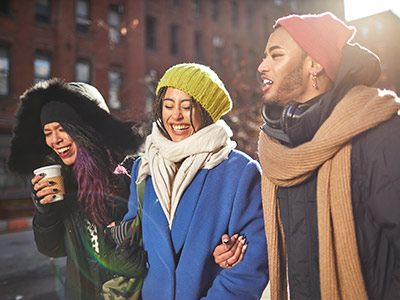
x=177 y=106
x=60 y=141
x=284 y=70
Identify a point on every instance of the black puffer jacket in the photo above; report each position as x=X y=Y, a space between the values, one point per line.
x=62 y=228
x=375 y=184
x=63 y=231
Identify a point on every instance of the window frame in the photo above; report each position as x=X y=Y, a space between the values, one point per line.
x=114 y=31
x=151 y=31
x=87 y=62
x=82 y=21
x=174 y=39
x=45 y=56
x=7 y=73
x=115 y=103
x=43 y=16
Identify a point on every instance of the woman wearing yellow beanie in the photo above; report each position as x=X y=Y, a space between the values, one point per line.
x=198 y=187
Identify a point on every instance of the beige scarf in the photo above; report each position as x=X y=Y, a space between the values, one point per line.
x=329 y=151
x=203 y=150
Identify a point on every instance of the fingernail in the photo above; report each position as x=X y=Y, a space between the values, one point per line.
x=244 y=248
x=52 y=182
x=43 y=201
x=53 y=196
x=225 y=241
x=42 y=174
x=55 y=190
x=236 y=235
x=243 y=240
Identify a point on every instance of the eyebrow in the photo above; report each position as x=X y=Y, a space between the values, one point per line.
x=48 y=129
x=272 y=48
x=170 y=99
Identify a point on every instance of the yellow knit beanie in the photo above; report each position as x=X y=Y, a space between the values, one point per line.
x=202 y=83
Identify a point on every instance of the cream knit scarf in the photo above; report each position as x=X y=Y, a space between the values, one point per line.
x=328 y=152
x=203 y=150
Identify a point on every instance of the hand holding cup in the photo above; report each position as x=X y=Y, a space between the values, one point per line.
x=48 y=184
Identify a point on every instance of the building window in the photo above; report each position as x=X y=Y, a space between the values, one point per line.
x=174 y=40
x=114 y=92
x=42 y=66
x=234 y=14
x=82 y=16
x=42 y=11
x=217 y=57
x=151 y=79
x=251 y=64
x=174 y=3
x=4 y=70
x=249 y=19
x=5 y=7
x=196 y=5
x=215 y=9
x=236 y=59
x=151 y=24
x=82 y=71
x=114 y=22
x=198 y=46
x=218 y=44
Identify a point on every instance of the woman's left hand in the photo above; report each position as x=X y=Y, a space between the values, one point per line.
x=231 y=251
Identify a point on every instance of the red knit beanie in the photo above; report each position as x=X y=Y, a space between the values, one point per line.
x=322 y=36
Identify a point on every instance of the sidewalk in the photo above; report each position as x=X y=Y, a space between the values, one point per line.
x=17 y=224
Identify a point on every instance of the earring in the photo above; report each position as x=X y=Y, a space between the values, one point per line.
x=314 y=78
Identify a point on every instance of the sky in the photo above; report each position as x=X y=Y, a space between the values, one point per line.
x=356 y=9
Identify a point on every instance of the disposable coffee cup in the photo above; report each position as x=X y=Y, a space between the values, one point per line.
x=53 y=173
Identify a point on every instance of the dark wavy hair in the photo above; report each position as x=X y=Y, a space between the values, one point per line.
x=93 y=171
x=157 y=112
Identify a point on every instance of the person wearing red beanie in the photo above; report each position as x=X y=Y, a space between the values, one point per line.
x=329 y=155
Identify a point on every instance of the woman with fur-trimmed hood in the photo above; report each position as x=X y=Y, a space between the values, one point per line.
x=70 y=124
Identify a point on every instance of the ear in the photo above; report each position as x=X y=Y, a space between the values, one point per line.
x=315 y=67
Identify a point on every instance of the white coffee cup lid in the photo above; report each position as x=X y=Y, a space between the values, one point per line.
x=45 y=168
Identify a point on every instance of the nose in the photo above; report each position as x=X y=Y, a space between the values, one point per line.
x=56 y=138
x=177 y=114
x=263 y=66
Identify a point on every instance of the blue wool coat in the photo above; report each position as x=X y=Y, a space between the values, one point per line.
x=225 y=199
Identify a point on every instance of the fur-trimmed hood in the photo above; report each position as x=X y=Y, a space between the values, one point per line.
x=28 y=148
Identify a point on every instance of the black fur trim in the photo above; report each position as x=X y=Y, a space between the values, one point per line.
x=28 y=148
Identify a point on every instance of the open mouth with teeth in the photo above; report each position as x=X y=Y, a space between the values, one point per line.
x=180 y=127
x=263 y=80
x=179 y=131
x=266 y=84
x=64 y=151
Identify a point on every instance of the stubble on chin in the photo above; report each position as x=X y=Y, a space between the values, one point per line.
x=271 y=101
x=289 y=88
